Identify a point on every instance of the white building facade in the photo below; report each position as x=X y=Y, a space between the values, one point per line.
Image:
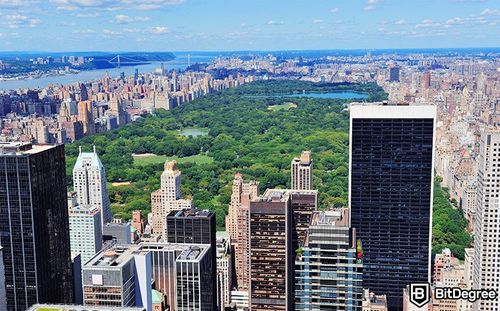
x=89 y=182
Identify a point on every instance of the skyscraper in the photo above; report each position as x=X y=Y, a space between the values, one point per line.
x=426 y=80
x=85 y=116
x=34 y=225
x=224 y=273
x=486 y=268
x=271 y=263
x=164 y=258
x=237 y=227
x=390 y=194
x=85 y=229
x=302 y=172
x=168 y=197
x=196 y=226
x=119 y=276
x=89 y=182
x=328 y=267
x=394 y=73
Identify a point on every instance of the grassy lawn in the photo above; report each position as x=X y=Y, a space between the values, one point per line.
x=194 y=131
x=285 y=106
x=154 y=159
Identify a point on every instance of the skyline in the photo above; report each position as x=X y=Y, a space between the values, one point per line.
x=192 y=25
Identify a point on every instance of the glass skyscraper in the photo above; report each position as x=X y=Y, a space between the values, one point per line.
x=390 y=194
x=34 y=228
x=328 y=268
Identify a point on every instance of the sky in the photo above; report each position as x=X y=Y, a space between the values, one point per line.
x=232 y=25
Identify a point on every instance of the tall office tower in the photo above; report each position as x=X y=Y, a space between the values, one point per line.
x=224 y=274
x=328 y=267
x=117 y=108
x=302 y=172
x=34 y=225
x=168 y=197
x=138 y=221
x=237 y=227
x=394 y=73
x=390 y=194
x=86 y=117
x=486 y=261
x=119 y=276
x=304 y=203
x=89 y=182
x=3 y=295
x=426 y=80
x=164 y=257
x=271 y=263
x=117 y=231
x=196 y=226
x=194 y=281
x=84 y=95
x=85 y=231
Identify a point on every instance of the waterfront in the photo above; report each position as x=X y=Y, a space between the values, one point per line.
x=179 y=63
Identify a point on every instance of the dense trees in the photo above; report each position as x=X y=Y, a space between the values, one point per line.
x=244 y=136
x=448 y=224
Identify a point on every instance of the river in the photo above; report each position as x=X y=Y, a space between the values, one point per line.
x=180 y=62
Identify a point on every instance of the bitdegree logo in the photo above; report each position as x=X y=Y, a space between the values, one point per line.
x=420 y=294
x=471 y=295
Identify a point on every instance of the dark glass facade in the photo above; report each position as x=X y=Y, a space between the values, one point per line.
x=34 y=228
x=196 y=226
x=391 y=179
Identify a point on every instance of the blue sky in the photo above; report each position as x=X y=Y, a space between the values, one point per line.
x=204 y=25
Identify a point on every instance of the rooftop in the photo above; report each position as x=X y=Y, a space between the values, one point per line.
x=192 y=212
x=115 y=256
x=334 y=217
x=20 y=148
x=44 y=307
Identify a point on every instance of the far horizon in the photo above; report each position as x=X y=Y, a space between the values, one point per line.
x=194 y=25
x=421 y=49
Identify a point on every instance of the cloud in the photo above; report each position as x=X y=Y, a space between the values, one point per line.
x=111 y=33
x=150 y=4
x=18 y=20
x=370 y=5
x=84 y=31
x=112 y=5
x=274 y=23
x=87 y=15
x=125 y=19
x=317 y=21
x=400 y=22
x=334 y=10
x=13 y=4
x=160 y=30
x=426 y=23
x=490 y=12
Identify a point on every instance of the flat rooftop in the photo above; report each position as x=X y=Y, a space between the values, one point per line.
x=335 y=217
x=192 y=212
x=115 y=256
x=382 y=110
x=193 y=252
x=20 y=148
x=46 y=307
